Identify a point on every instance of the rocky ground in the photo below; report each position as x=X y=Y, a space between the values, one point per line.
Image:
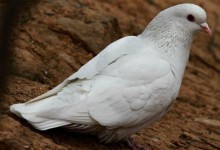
x=54 y=38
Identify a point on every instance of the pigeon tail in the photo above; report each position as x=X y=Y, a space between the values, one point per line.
x=31 y=111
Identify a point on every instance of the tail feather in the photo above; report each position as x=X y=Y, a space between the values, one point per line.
x=49 y=124
x=30 y=111
x=53 y=109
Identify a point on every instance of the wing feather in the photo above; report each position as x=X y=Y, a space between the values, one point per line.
x=126 y=102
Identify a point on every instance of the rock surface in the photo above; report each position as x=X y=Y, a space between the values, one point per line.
x=54 y=38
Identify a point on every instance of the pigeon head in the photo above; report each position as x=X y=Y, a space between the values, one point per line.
x=188 y=16
x=180 y=20
x=176 y=25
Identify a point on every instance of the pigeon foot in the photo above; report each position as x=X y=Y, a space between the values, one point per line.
x=134 y=145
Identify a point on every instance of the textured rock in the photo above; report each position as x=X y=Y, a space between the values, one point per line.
x=68 y=32
x=53 y=39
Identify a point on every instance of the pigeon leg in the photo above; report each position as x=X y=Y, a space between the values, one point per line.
x=134 y=146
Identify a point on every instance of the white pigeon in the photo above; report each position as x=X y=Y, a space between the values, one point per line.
x=126 y=87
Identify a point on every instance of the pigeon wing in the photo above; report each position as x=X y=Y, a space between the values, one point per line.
x=131 y=99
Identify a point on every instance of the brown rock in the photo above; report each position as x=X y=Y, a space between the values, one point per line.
x=54 y=38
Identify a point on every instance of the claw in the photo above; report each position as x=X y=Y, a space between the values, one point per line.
x=135 y=146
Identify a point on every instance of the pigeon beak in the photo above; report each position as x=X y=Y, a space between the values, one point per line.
x=205 y=28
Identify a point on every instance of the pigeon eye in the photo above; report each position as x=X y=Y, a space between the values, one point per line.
x=191 y=18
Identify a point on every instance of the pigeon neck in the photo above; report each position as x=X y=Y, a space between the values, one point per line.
x=172 y=40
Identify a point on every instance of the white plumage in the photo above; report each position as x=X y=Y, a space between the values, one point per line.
x=128 y=86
